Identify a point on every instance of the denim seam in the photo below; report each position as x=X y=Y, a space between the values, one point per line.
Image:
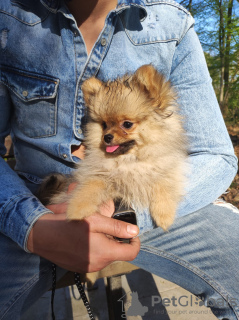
x=30 y=75
x=53 y=125
x=120 y=10
x=195 y=270
x=52 y=10
x=22 y=290
x=77 y=79
x=14 y=199
x=30 y=228
x=145 y=42
x=187 y=27
x=78 y=85
x=169 y=3
x=31 y=99
x=54 y=129
x=109 y=38
x=24 y=22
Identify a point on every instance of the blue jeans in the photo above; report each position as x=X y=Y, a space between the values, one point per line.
x=200 y=253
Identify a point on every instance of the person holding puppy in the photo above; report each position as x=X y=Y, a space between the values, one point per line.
x=48 y=48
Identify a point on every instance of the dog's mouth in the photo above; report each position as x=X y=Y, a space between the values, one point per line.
x=120 y=148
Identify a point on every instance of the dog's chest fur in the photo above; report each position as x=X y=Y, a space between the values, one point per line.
x=125 y=177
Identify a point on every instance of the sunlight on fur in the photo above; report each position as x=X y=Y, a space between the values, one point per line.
x=135 y=149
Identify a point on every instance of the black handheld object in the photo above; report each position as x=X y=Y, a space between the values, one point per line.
x=126 y=214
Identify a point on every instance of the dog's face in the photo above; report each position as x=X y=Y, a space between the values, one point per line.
x=127 y=113
x=118 y=135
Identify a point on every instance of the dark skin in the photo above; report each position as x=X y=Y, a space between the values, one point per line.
x=90 y=17
x=82 y=246
x=87 y=245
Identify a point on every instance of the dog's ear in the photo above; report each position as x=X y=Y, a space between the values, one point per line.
x=153 y=85
x=90 y=87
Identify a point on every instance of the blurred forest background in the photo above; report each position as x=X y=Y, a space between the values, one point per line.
x=217 y=25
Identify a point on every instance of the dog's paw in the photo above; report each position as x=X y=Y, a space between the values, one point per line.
x=163 y=213
x=164 y=220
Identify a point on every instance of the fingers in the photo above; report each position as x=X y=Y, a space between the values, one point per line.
x=71 y=187
x=58 y=208
x=112 y=227
x=74 y=246
x=124 y=251
x=78 y=151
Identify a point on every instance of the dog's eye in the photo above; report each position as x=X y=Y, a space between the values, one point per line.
x=127 y=124
x=104 y=125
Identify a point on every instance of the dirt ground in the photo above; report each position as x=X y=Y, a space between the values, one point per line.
x=232 y=194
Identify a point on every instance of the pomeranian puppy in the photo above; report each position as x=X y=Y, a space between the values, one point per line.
x=135 y=149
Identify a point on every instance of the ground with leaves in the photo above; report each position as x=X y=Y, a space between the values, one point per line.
x=232 y=194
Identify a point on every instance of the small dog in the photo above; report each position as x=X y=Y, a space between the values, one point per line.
x=135 y=149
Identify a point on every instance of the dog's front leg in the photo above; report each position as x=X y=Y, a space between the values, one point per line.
x=163 y=205
x=86 y=199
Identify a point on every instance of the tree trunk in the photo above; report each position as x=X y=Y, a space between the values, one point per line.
x=222 y=56
x=227 y=55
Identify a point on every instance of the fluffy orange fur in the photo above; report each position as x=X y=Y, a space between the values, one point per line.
x=142 y=160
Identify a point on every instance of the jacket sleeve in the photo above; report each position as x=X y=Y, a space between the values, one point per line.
x=212 y=162
x=19 y=208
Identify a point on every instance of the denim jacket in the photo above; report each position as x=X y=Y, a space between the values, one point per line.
x=43 y=62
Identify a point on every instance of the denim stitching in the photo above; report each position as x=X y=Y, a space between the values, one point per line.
x=21 y=291
x=29 y=75
x=144 y=41
x=169 y=3
x=24 y=22
x=53 y=113
x=193 y=269
x=14 y=199
x=30 y=228
x=25 y=100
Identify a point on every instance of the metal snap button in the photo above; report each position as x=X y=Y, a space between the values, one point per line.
x=25 y=93
x=79 y=131
x=103 y=42
x=64 y=155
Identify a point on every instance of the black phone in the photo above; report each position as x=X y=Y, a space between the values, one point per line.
x=126 y=214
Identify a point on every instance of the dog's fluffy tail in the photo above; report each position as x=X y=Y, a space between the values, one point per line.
x=51 y=186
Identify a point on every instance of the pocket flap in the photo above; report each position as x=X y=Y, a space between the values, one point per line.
x=29 y=86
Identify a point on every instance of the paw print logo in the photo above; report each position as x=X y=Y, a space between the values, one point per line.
x=199 y=301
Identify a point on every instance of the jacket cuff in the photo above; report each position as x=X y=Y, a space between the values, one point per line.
x=18 y=217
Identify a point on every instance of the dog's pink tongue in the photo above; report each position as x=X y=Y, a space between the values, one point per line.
x=111 y=149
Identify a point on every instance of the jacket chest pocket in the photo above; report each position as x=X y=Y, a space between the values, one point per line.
x=34 y=99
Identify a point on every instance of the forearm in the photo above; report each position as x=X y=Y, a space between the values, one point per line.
x=19 y=208
x=212 y=162
x=207 y=178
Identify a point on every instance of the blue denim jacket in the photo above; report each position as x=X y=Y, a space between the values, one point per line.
x=43 y=62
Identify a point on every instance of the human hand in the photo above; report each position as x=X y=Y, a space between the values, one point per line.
x=83 y=246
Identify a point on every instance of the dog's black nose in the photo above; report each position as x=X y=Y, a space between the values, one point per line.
x=108 y=138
